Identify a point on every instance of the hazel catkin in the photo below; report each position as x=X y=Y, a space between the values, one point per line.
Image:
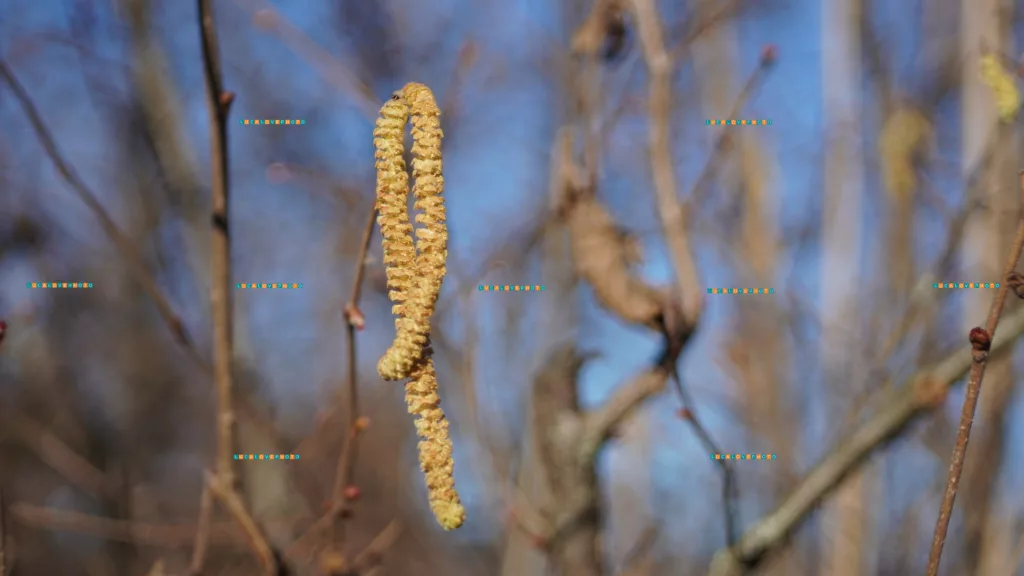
x=415 y=271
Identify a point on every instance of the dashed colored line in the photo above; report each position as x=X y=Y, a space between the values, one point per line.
x=244 y=286
x=741 y=290
x=58 y=285
x=275 y=122
x=738 y=122
x=510 y=288
x=965 y=285
x=743 y=456
x=266 y=456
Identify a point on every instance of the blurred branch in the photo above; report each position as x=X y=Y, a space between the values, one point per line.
x=601 y=423
x=141 y=533
x=59 y=456
x=328 y=66
x=921 y=393
x=981 y=341
x=673 y=224
x=123 y=244
x=253 y=536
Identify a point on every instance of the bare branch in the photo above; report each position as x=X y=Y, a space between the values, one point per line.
x=602 y=422
x=981 y=341
x=920 y=394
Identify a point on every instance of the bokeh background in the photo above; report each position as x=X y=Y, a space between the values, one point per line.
x=887 y=168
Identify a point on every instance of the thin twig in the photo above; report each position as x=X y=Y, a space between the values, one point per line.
x=354 y=322
x=921 y=393
x=202 y=534
x=980 y=355
x=139 y=533
x=234 y=505
x=121 y=242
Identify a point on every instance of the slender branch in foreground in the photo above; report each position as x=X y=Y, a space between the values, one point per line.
x=121 y=242
x=981 y=341
x=222 y=485
x=921 y=393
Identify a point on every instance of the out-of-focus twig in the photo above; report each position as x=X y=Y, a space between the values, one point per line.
x=202 y=533
x=121 y=242
x=921 y=393
x=141 y=533
x=981 y=341
x=673 y=224
x=253 y=536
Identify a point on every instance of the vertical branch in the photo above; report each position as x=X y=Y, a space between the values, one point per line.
x=673 y=224
x=219 y=103
x=981 y=341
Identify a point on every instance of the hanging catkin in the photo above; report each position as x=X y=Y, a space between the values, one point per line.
x=414 y=276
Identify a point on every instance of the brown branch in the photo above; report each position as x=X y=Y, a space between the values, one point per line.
x=601 y=423
x=202 y=533
x=673 y=224
x=254 y=537
x=59 y=456
x=140 y=533
x=121 y=242
x=921 y=393
x=981 y=341
x=370 y=556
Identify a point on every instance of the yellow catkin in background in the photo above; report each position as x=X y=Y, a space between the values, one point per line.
x=904 y=134
x=1003 y=85
x=414 y=274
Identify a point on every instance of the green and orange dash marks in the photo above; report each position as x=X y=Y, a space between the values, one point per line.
x=743 y=456
x=59 y=285
x=738 y=122
x=266 y=456
x=509 y=288
x=966 y=285
x=271 y=122
x=265 y=286
x=741 y=290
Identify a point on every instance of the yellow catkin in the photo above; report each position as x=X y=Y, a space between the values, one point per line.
x=904 y=134
x=414 y=287
x=435 y=448
x=1003 y=87
x=415 y=271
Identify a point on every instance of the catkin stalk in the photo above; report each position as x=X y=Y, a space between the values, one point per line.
x=415 y=271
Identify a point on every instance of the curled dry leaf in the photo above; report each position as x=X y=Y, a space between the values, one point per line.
x=602 y=256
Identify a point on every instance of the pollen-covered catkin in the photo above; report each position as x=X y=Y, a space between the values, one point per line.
x=415 y=270
x=420 y=284
x=435 y=448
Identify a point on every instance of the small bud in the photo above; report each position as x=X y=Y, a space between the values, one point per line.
x=226 y=98
x=3 y=330
x=362 y=423
x=354 y=317
x=769 y=54
x=980 y=339
x=351 y=493
x=684 y=414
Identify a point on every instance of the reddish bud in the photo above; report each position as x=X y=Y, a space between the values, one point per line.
x=354 y=317
x=226 y=98
x=980 y=339
x=3 y=331
x=538 y=541
x=769 y=54
x=362 y=423
x=684 y=414
x=351 y=493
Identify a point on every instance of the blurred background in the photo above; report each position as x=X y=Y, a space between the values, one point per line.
x=889 y=166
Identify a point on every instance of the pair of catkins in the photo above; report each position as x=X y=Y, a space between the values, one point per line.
x=415 y=270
